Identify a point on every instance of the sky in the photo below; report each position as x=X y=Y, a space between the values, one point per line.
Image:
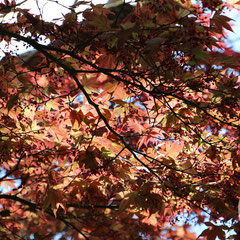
x=234 y=37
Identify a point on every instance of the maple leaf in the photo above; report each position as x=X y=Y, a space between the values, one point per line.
x=151 y=220
x=8 y=184
x=128 y=117
x=173 y=149
x=213 y=232
x=221 y=21
x=54 y=199
x=135 y=125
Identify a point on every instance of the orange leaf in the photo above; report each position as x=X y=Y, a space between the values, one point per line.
x=8 y=184
x=105 y=61
x=55 y=200
x=174 y=149
x=135 y=125
x=151 y=220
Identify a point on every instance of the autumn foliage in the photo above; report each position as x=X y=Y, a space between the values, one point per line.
x=122 y=123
